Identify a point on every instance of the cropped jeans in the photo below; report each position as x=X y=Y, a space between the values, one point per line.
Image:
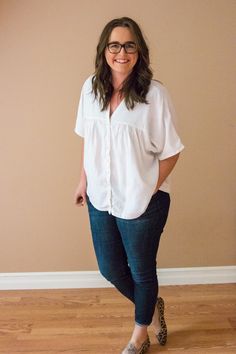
x=126 y=251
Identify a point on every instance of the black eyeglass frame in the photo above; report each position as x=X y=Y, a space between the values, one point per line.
x=122 y=46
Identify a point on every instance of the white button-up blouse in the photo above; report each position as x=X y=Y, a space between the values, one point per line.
x=122 y=152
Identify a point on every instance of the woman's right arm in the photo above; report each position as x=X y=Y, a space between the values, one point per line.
x=80 y=193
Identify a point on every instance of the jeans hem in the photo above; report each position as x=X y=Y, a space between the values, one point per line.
x=142 y=325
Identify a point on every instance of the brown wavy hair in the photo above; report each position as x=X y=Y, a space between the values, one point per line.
x=136 y=85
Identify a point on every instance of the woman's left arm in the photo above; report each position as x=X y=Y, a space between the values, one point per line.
x=165 y=168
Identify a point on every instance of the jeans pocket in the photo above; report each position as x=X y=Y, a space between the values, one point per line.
x=163 y=205
x=153 y=207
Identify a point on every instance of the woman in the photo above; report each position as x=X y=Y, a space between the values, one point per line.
x=130 y=148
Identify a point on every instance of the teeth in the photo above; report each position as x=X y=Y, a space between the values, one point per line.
x=121 y=61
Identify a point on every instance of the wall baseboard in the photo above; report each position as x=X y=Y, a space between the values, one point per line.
x=93 y=279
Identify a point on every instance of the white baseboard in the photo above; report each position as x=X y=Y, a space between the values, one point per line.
x=93 y=279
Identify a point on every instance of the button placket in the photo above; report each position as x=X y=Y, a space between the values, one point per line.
x=108 y=160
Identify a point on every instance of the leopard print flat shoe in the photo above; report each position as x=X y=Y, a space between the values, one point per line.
x=131 y=349
x=162 y=334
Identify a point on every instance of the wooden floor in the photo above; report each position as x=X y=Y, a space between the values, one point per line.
x=201 y=319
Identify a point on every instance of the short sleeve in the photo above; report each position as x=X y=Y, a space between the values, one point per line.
x=165 y=139
x=79 y=126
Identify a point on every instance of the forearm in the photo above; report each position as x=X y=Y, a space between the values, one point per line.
x=80 y=193
x=83 y=177
x=165 y=168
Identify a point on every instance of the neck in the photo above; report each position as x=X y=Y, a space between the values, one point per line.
x=117 y=80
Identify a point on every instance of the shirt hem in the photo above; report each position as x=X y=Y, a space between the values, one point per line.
x=121 y=216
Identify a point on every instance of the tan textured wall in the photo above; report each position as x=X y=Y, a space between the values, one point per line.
x=47 y=50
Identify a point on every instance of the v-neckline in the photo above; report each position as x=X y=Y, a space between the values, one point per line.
x=117 y=108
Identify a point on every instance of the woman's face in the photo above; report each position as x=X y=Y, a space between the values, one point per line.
x=122 y=63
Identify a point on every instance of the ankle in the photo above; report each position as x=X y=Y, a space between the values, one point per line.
x=139 y=335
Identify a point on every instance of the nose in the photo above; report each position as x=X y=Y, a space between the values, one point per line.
x=122 y=51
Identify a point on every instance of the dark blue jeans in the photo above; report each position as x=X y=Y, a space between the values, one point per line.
x=126 y=251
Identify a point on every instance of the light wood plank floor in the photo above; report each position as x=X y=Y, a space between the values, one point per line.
x=201 y=319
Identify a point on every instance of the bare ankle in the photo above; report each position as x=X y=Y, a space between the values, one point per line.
x=139 y=334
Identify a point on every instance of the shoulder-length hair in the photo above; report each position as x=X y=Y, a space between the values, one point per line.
x=136 y=85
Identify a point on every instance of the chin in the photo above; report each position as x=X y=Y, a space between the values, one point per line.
x=122 y=71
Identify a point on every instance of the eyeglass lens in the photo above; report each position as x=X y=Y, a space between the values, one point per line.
x=130 y=47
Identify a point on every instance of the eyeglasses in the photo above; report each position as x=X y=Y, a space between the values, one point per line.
x=115 y=47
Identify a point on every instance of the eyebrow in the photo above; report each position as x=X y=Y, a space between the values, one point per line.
x=116 y=42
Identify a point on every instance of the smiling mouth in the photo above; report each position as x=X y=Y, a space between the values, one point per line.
x=121 y=61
